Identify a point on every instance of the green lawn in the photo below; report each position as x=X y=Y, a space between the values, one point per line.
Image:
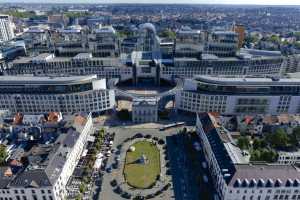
x=142 y=175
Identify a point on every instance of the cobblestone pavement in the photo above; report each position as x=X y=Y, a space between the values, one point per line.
x=107 y=192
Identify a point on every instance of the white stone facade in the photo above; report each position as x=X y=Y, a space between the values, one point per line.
x=93 y=99
x=191 y=100
x=144 y=110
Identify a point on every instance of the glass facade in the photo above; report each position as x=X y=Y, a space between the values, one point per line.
x=45 y=89
x=237 y=89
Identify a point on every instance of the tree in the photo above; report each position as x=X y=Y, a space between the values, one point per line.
x=124 y=115
x=278 y=139
x=268 y=155
x=82 y=188
x=296 y=133
x=17 y=14
x=263 y=155
x=76 y=14
x=102 y=133
x=3 y=154
x=256 y=143
x=251 y=39
x=78 y=197
x=274 y=39
x=163 y=114
x=297 y=35
x=243 y=142
x=255 y=155
x=297 y=45
x=168 y=34
x=124 y=34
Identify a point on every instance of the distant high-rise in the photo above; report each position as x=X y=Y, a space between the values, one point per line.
x=58 y=19
x=240 y=30
x=6 y=28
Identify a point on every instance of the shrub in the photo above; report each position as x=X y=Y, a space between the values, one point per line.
x=161 y=142
x=124 y=115
x=113 y=183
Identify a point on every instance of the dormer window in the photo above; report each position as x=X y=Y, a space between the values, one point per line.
x=296 y=183
x=252 y=183
x=237 y=183
x=278 y=183
x=269 y=183
x=245 y=183
x=289 y=183
x=260 y=183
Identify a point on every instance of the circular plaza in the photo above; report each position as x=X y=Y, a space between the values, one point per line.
x=142 y=165
x=141 y=172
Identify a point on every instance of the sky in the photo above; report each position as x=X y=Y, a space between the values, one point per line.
x=255 y=2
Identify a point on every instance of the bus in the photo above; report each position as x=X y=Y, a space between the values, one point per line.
x=173 y=125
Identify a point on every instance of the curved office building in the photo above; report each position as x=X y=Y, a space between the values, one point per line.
x=31 y=94
x=240 y=95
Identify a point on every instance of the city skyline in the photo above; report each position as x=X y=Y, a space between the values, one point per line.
x=142 y=99
x=230 y=2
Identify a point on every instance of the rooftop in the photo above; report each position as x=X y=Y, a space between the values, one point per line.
x=264 y=173
x=105 y=29
x=236 y=167
x=46 y=161
x=82 y=56
x=223 y=158
x=24 y=60
x=43 y=80
x=247 y=81
x=144 y=101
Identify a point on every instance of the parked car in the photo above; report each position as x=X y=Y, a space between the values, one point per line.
x=109 y=170
x=205 y=179
x=204 y=165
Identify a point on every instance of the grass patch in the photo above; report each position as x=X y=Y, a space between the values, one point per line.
x=142 y=175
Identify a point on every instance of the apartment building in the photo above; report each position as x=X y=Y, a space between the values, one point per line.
x=233 y=95
x=81 y=64
x=6 y=28
x=49 y=165
x=235 y=178
x=104 y=42
x=32 y=94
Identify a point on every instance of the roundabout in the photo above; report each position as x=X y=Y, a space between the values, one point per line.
x=142 y=168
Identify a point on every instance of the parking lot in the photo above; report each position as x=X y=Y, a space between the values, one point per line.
x=183 y=176
x=202 y=178
x=187 y=172
x=110 y=173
